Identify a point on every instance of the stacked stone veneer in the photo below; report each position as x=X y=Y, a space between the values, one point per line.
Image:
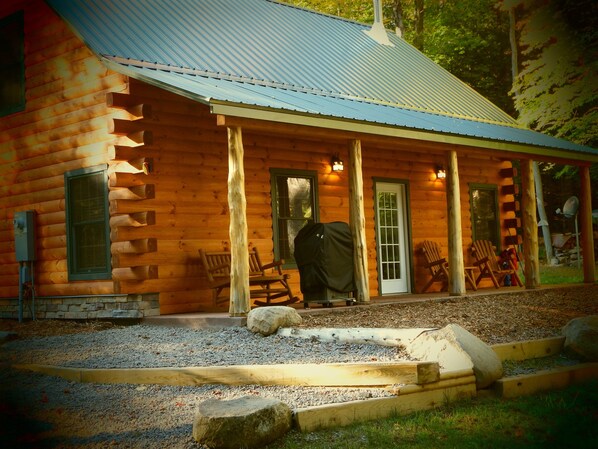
x=85 y=307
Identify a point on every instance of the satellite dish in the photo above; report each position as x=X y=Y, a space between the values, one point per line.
x=570 y=207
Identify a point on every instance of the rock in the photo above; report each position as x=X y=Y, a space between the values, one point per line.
x=357 y=335
x=247 y=422
x=581 y=337
x=454 y=348
x=267 y=320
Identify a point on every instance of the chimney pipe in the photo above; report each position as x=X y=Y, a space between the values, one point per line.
x=378 y=32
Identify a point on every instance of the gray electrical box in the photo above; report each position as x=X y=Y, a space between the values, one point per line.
x=24 y=224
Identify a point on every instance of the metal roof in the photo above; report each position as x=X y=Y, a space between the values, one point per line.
x=261 y=53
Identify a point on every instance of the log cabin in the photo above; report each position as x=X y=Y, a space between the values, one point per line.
x=135 y=133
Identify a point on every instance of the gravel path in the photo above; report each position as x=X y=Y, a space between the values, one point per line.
x=43 y=411
x=70 y=414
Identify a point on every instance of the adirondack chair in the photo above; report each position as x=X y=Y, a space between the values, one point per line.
x=263 y=283
x=438 y=267
x=488 y=263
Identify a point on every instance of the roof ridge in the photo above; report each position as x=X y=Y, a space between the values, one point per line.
x=292 y=87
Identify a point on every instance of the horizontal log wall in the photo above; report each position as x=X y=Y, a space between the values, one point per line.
x=189 y=195
x=63 y=127
x=168 y=176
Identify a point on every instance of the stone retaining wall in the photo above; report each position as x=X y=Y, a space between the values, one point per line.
x=85 y=307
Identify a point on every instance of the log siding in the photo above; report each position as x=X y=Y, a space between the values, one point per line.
x=168 y=169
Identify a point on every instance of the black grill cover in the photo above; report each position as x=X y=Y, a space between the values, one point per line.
x=324 y=256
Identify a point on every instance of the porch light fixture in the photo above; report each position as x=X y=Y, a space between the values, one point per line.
x=440 y=172
x=337 y=164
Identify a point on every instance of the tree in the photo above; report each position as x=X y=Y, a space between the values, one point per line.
x=556 y=91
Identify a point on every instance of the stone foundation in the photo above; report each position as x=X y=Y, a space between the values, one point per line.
x=85 y=307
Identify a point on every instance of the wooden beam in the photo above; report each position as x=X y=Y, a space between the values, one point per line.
x=531 y=260
x=526 y=384
x=309 y=419
x=455 y=238
x=357 y=222
x=237 y=204
x=134 y=193
x=137 y=273
x=530 y=349
x=136 y=220
x=139 y=246
x=510 y=189
x=367 y=374
x=587 y=232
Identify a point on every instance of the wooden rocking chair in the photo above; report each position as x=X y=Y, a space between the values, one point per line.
x=487 y=262
x=265 y=280
x=438 y=267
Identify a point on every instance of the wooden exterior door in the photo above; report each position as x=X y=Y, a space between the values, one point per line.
x=391 y=238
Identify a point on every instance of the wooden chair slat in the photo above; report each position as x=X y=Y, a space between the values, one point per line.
x=262 y=277
x=438 y=267
x=488 y=263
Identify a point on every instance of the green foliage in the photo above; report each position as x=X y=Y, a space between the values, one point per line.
x=358 y=10
x=471 y=40
x=556 y=90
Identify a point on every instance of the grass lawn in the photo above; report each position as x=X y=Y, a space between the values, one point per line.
x=560 y=275
x=560 y=419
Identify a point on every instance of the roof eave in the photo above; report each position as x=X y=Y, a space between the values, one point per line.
x=361 y=127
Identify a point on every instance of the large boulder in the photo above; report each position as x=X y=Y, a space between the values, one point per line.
x=267 y=320
x=454 y=348
x=581 y=337
x=247 y=422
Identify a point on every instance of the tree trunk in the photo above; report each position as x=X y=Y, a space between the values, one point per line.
x=398 y=17
x=455 y=237
x=418 y=40
x=542 y=213
x=531 y=267
x=357 y=222
x=587 y=234
x=237 y=203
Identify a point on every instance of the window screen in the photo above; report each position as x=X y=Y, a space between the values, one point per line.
x=484 y=213
x=87 y=224
x=294 y=205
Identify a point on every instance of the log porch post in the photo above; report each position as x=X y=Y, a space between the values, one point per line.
x=357 y=222
x=237 y=204
x=531 y=268
x=455 y=236
x=587 y=232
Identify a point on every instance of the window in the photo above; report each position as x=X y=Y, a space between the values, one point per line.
x=484 y=213
x=12 y=64
x=88 y=241
x=294 y=195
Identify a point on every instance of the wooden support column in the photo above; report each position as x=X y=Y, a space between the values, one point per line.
x=357 y=223
x=531 y=267
x=455 y=237
x=237 y=204
x=587 y=232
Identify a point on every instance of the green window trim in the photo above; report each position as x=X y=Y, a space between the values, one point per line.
x=286 y=219
x=485 y=213
x=12 y=64
x=87 y=222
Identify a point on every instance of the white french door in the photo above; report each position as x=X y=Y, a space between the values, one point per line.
x=392 y=238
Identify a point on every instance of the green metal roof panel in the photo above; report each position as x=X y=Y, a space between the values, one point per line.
x=264 y=54
x=261 y=41
x=208 y=90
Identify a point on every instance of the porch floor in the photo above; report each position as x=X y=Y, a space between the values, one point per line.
x=220 y=320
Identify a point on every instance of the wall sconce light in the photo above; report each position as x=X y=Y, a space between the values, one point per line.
x=337 y=164
x=440 y=172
